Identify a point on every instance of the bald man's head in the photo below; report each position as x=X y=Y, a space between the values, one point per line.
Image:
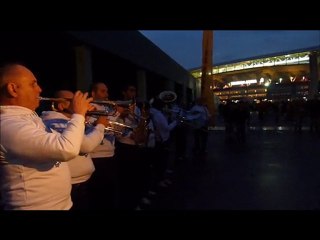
x=9 y=72
x=18 y=86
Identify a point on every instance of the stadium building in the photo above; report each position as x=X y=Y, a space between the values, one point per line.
x=280 y=76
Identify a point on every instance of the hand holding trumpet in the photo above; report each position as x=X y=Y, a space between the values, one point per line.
x=73 y=103
x=81 y=103
x=103 y=120
x=68 y=103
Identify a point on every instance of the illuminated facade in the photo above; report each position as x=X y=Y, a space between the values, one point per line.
x=280 y=77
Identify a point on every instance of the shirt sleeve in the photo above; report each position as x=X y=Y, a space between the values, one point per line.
x=162 y=126
x=31 y=140
x=92 y=139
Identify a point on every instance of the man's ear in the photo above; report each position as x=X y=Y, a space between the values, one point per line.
x=12 y=89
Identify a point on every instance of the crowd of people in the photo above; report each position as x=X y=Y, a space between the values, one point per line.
x=68 y=159
x=294 y=114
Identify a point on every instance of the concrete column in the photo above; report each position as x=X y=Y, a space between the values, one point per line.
x=83 y=67
x=314 y=74
x=197 y=88
x=142 y=85
x=184 y=91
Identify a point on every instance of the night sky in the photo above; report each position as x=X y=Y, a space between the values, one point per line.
x=185 y=47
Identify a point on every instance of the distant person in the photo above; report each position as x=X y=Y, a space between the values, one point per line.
x=241 y=117
x=199 y=115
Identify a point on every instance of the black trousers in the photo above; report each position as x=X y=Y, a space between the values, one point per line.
x=180 y=136
x=200 y=140
x=80 y=196
x=103 y=184
x=160 y=162
x=128 y=158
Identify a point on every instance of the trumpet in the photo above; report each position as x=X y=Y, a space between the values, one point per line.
x=109 y=110
x=116 y=127
x=119 y=128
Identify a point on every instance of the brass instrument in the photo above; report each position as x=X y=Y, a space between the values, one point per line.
x=110 y=106
x=104 y=102
x=141 y=132
x=186 y=118
x=167 y=96
x=181 y=115
x=110 y=109
x=119 y=128
x=116 y=127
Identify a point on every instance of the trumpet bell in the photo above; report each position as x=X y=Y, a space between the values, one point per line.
x=168 y=96
x=115 y=127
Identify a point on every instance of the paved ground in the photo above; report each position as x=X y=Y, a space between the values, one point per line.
x=273 y=170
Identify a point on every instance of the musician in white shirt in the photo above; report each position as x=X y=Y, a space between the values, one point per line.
x=199 y=118
x=34 y=174
x=162 y=134
x=103 y=181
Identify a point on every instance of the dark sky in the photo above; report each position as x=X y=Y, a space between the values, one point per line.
x=185 y=47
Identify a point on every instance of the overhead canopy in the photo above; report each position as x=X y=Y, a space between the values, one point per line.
x=133 y=46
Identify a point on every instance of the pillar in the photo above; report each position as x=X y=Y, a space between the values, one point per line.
x=314 y=74
x=83 y=68
x=141 y=85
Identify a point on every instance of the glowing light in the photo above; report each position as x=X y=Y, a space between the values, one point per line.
x=243 y=82
x=292 y=79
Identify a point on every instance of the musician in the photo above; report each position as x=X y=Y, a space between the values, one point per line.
x=129 y=116
x=180 y=133
x=34 y=174
x=103 y=181
x=162 y=135
x=128 y=154
x=178 y=136
x=81 y=167
x=145 y=163
x=99 y=92
x=199 y=116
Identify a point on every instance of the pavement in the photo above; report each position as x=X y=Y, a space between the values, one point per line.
x=276 y=169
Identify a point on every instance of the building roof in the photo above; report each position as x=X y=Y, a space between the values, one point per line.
x=312 y=48
x=136 y=48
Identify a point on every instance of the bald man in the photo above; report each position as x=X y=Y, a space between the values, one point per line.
x=103 y=181
x=34 y=174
